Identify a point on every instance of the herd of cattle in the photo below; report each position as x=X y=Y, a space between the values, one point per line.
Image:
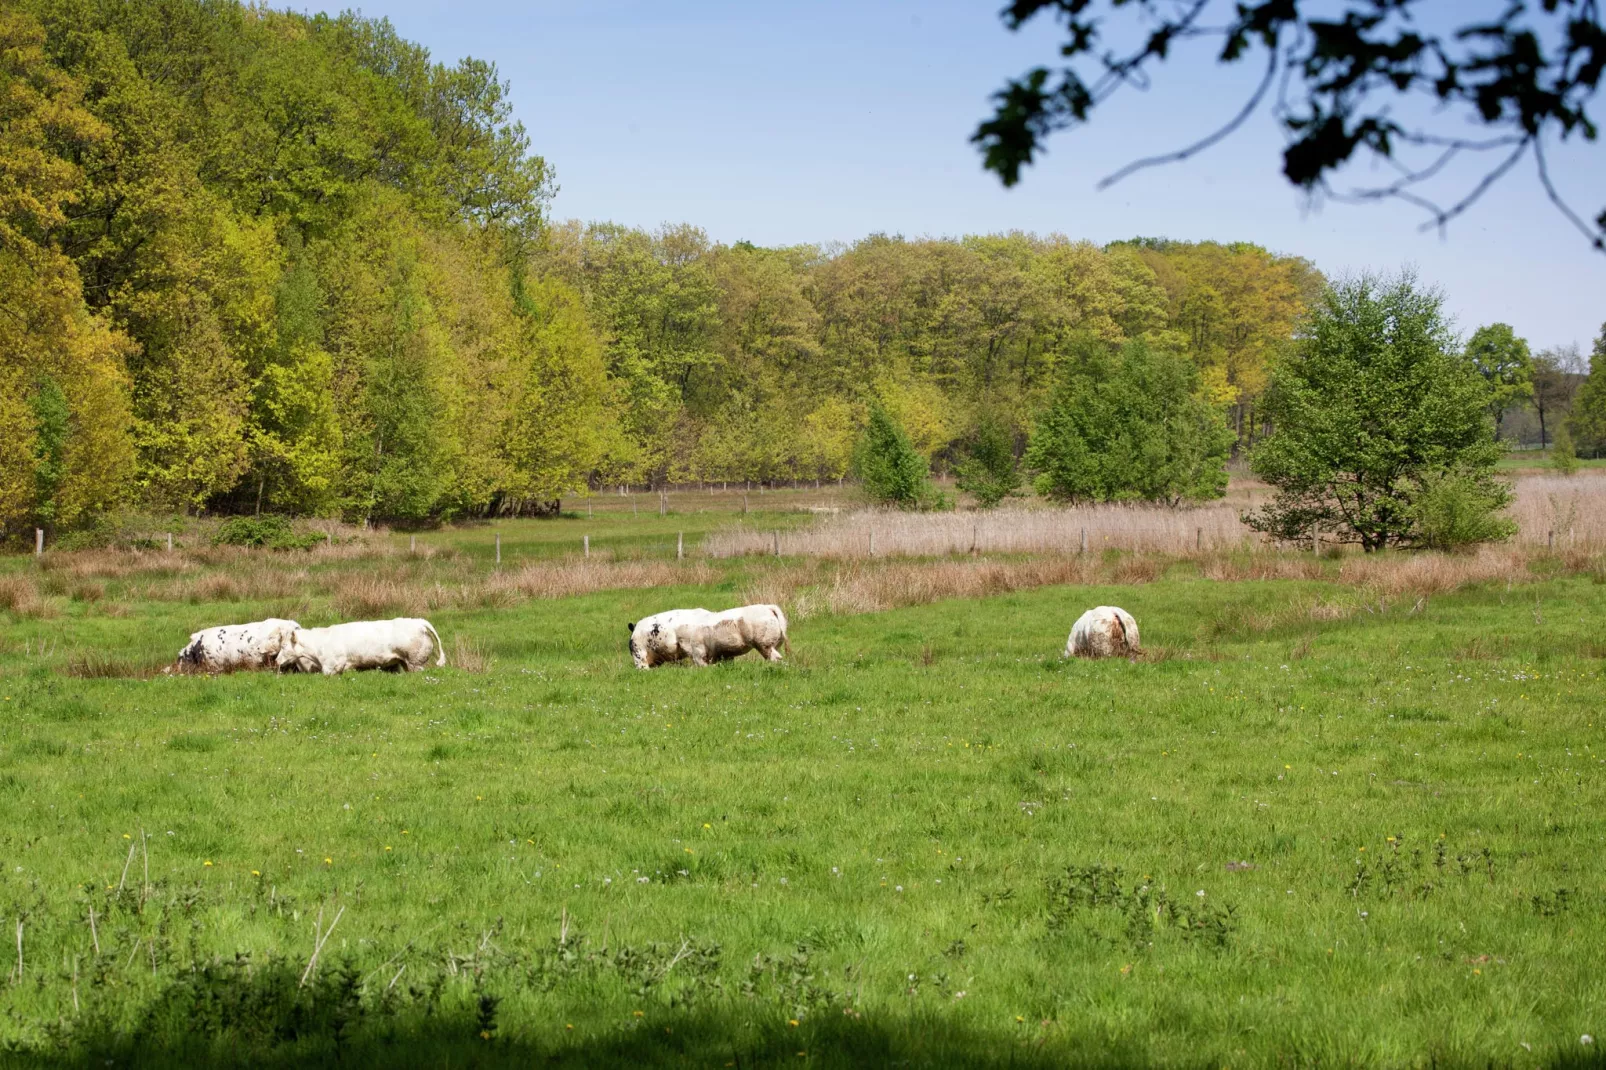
x=406 y=644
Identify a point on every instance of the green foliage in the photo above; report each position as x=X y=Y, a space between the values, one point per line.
x=1563 y=454
x=269 y=531
x=1370 y=408
x=1129 y=425
x=1588 y=420
x=1456 y=510
x=989 y=473
x=1506 y=365
x=890 y=469
x=51 y=419
x=1348 y=71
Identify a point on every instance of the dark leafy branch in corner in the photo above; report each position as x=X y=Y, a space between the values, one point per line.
x=1526 y=75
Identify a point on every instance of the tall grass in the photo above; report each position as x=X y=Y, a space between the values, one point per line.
x=1551 y=511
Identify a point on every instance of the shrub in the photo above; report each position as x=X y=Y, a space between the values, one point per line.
x=989 y=472
x=889 y=467
x=268 y=530
x=1456 y=510
x=1368 y=410
x=1563 y=456
x=1129 y=424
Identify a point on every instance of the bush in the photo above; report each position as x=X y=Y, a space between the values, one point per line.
x=1128 y=424
x=1369 y=410
x=1457 y=510
x=268 y=530
x=989 y=473
x=889 y=467
x=1563 y=456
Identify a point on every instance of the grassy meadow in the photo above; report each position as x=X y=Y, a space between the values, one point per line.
x=1343 y=812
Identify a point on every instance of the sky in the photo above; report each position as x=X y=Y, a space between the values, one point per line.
x=823 y=122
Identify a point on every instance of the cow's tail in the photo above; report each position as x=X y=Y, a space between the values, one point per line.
x=786 y=640
x=440 y=647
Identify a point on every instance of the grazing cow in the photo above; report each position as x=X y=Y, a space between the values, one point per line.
x=400 y=645
x=1104 y=632
x=702 y=637
x=236 y=646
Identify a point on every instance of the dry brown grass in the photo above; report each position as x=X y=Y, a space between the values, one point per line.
x=469 y=655
x=565 y=579
x=1378 y=581
x=1012 y=531
x=23 y=597
x=1565 y=512
x=1568 y=512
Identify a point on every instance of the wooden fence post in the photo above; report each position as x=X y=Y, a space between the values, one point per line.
x=872 y=542
x=585 y=545
x=663 y=502
x=38 y=541
x=499 y=548
x=1198 y=538
x=777 y=543
x=412 y=544
x=170 y=542
x=680 y=545
x=1084 y=540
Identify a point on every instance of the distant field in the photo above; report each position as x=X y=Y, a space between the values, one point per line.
x=1353 y=816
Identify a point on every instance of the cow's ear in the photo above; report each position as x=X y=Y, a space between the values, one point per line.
x=631 y=627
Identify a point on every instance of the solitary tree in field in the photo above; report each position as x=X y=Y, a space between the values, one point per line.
x=1410 y=83
x=989 y=472
x=1129 y=425
x=1505 y=364
x=889 y=467
x=1380 y=428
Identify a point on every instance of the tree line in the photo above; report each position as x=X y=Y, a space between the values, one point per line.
x=262 y=262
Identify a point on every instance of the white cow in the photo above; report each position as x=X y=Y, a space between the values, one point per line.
x=236 y=646
x=1103 y=632
x=702 y=637
x=403 y=645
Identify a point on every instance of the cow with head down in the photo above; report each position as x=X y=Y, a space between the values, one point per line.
x=233 y=647
x=702 y=638
x=400 y=645
x=1103 y=632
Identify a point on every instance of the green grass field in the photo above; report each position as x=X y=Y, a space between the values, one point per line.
x=926 y=840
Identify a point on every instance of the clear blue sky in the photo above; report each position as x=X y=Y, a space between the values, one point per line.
x=831 y=120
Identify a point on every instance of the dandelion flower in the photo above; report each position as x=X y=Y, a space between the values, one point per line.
x=328 y=861
x=256 y=873
x=792 y=1022
x=208 y=862
x=387 y=846
x=1020 y=1018
x=639 y=1014
x=126 y=836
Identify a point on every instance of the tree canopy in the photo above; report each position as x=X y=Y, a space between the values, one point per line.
x=1380 y=423
x=1341 y=77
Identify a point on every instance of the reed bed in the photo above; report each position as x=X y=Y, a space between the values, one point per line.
x=1564 y=512
x=1557 y=512
x=880 y=533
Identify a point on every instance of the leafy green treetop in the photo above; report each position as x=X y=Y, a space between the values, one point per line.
x=1588 y=423
x=889 y=467
x=1371 y=411
x=1505 y=363
x=1129 y=425
x=989 y=473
